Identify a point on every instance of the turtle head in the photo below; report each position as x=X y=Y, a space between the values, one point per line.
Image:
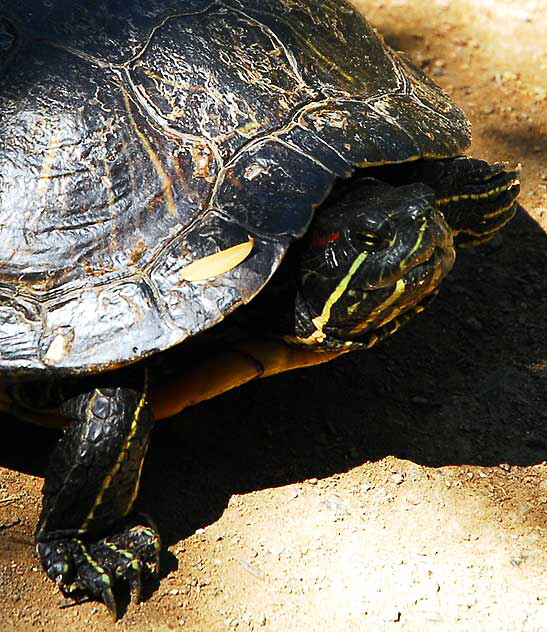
x=373 y=257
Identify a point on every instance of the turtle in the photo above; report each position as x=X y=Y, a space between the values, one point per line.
x=193 y=194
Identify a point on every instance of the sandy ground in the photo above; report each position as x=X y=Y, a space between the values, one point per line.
x=400 y=489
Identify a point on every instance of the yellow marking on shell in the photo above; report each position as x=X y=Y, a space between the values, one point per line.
x=174 y=84
x=154 y=159
x=249 y=129
x=121 y=458
x=47 y=165
x=218 y=263
x=328 y=61
x=107 y=179
x=478 y=196
x=203 y=158
x=383 y=163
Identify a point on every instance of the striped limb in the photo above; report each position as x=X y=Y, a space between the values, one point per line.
x=84 y=539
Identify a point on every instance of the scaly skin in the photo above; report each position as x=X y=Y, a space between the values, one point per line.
x=90 y=487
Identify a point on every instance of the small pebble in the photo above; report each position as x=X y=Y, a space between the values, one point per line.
x=336 y=505
x=391 y=614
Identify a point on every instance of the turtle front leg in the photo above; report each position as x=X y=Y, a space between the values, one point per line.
x=84 y=539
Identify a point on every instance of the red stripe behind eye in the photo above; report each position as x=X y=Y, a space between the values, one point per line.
x=323 y=240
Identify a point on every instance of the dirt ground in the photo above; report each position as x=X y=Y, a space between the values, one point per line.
x=400 y=489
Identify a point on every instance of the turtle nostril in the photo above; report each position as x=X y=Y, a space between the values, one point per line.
x=420 y=213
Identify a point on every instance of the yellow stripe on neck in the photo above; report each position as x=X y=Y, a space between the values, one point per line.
x=321 y=320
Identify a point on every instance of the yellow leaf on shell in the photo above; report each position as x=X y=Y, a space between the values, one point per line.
x=218 y=263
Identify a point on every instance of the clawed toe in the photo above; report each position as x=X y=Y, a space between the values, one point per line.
x=77 y=565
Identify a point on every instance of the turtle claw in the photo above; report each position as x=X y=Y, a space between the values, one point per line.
x=107 y=597
x=135 y=587
x=79 y=566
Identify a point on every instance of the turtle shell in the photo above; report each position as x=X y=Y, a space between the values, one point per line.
x=137 y=138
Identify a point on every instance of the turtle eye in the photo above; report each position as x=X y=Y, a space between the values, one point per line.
x=367 y=241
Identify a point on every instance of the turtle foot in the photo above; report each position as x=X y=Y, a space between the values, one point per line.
x=79 y=566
